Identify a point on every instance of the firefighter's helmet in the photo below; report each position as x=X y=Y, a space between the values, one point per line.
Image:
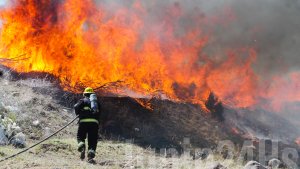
x=88 y=90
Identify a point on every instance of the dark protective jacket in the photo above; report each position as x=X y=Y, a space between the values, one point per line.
x=84 y=111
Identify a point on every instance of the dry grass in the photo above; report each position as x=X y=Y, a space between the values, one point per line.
x=61 y=153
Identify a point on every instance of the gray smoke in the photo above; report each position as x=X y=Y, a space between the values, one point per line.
x=272 y=27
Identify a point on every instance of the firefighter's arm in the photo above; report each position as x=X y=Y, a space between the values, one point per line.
x=78 y=107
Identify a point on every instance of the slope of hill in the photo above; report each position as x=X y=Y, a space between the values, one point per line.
x=40 y=107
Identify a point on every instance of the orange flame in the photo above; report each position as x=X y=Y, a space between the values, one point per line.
x=284 y=89
x=81 y=42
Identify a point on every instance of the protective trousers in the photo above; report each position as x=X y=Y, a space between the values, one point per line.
x=89 y=129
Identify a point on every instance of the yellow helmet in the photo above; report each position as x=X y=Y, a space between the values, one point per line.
x=88 y=90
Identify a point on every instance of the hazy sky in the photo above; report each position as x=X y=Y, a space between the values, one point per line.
x=2 y=2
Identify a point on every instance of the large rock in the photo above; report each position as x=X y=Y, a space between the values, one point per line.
x=18 y=141
x=10 y=133
x=3 y=138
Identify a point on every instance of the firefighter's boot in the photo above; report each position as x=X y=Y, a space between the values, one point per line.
x=81 y=149
x=91 y=156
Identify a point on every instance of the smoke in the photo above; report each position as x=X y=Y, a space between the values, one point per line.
x=3 y=2
x=261 y=36
x=271 y=26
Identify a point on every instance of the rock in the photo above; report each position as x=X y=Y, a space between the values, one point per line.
x=11 y=133
x=274 y=163
x=217 y=166
x=3 y=138
x=36 y=123
x=19 y=140
x=254 y=165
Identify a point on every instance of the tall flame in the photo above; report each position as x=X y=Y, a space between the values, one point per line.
x=82 y=42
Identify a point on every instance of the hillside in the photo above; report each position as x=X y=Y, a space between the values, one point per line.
x=179 y=84
x=35 y=106
x=156 y=136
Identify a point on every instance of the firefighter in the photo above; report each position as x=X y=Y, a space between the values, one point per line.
x=88 y=112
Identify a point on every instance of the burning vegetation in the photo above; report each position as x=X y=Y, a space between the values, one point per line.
x=168 y=57
x=164 y=50
x=90 y=43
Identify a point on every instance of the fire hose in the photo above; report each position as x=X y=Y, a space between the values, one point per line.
x=23 y=151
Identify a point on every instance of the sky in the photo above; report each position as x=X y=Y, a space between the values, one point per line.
x=2 y=2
